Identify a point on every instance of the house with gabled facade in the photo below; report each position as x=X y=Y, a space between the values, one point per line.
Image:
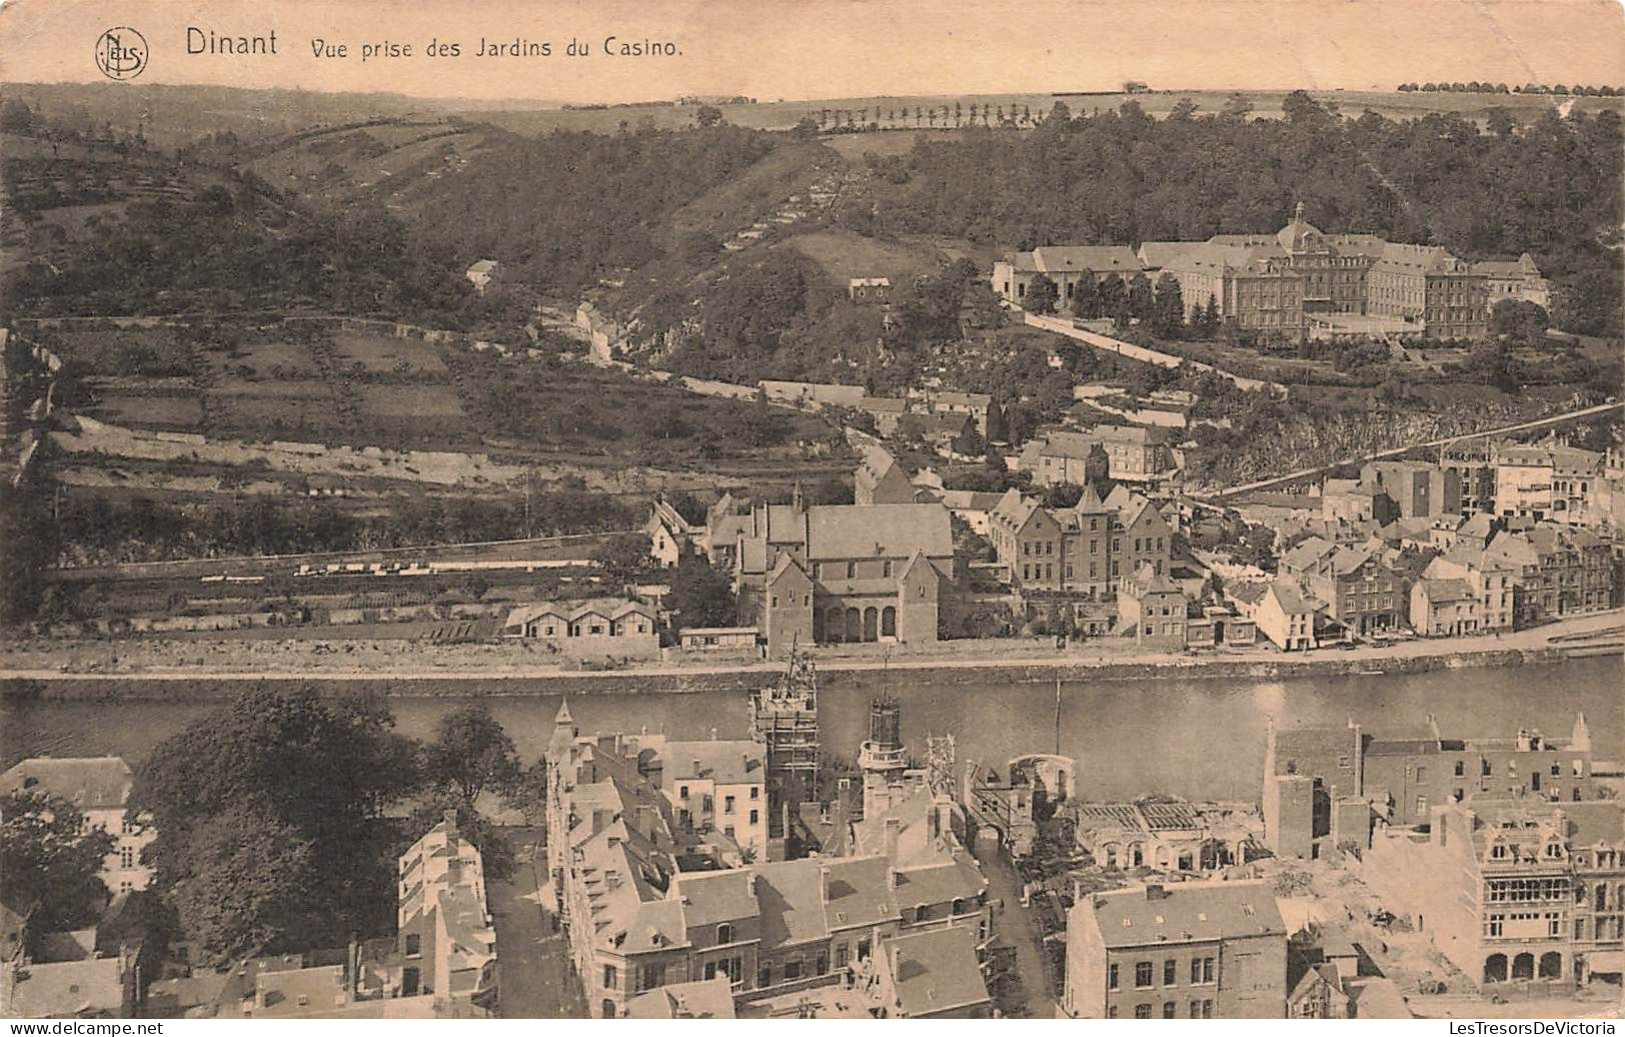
x=615 y=627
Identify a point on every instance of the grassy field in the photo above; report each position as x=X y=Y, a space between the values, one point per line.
x=379 y=355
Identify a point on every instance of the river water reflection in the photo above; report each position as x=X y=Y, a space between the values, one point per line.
x=1195 y=738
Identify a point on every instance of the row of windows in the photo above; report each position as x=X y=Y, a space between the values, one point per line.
x=755 y=793
x=1202 y=971
x=612 y=629
x=1200 y=1009
x=819 y=570
x=1521 y=890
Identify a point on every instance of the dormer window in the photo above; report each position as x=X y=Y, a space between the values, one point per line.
x=1499 y=851
x=725 y=933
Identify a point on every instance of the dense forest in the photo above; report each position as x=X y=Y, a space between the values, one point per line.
x=1119 y=176
x=568 y=208
x=559 y=211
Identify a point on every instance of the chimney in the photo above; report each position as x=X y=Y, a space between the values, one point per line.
x=894 y=828
x=450 y=817
x=823 y=881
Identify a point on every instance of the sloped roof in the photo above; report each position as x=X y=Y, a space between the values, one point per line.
x=1289 y=597
x=64 y=990
x=700 y=999
x=935 y=971
x=1308 y=554
x=1439 y=591
x=859 y=892
x=724 y=762
x=570 y=611
x=1186 y=911
x=90 y=783
x=791 y=899
x=1072 y=258
x=1378 y=997
x=1414 y=259
x=940 y=883
x=1147 y=580
x=1156 y=254
x=874 y=466
x=713 y=897
x=841 y=531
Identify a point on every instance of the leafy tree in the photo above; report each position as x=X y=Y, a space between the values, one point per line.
x=1042 y=295
x=1113 y=295
x=267 y=817
x=250 y=889
x=471 y=753
x=1086 y=299
x=1061 y=495
x=1237 y=107
x=51 y=860
x=622 y=559
x=708 y=116
x=701 y=595
x=1140 y=297
x=1168 y=315
x=1522 y=322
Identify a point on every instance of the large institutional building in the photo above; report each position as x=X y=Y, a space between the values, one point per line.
x=1299 y=280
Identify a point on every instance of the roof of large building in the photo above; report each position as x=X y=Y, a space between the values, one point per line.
x=90 y=783
x=935 y=971
x=851 y=531
x=1186 y=911
x=1052 y=259
x=1419 y=259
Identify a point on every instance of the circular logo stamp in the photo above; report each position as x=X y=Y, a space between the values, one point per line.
x=121 y=53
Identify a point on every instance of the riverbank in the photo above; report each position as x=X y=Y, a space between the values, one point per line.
x=122 y=670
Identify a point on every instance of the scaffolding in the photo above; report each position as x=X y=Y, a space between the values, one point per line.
x=784 y=718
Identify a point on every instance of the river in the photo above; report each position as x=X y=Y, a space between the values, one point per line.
x=1198 y=738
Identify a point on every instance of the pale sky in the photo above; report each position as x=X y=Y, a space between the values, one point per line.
x=770 y=49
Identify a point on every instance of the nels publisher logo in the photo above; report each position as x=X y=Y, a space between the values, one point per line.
x=121 y=53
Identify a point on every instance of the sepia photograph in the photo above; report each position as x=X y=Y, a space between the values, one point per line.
x=835 y=510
